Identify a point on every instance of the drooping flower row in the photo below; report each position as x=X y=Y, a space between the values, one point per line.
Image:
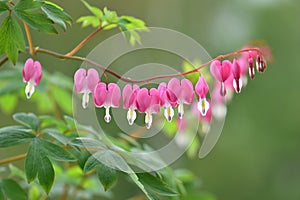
x=174 y=94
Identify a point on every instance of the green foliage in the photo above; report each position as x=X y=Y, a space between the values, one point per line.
x=29 y=120
x=57 y=14
x=3 y=7
x=108 y=19
x=11 y=39
x=14 y=135
x=12 y=190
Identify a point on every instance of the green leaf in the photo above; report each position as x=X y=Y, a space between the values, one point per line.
x=135 y=179
x=45 y=173
x=28 y=5
x=107 y=176
x=156 y=185
x=90 y=164
x=11 y=39
x=37 y=21
x=54 y=151
x=32 y=162
x=34 y=193
x=110 y=17
x=10 y=136
x=29 y=120
x=96 y=11
x=57 y=135
x=89 y=20
x=3 y=7
x=56 y=14
x=13 y=190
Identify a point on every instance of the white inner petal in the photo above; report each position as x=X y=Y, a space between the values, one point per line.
x=148 y=120
x=169 y=113
x=203 y=106
x=131 y=116
x=29 y=89
x=107 y=116
x=85 y=99
x=180 y=110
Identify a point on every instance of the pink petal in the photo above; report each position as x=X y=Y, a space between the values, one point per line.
x=225 y=70
x=187 y=91
x=215 y=69
x=143 y=100
x=162 y=88
x=201 y=87
x=79 y=80
x=113 y=98
x=172 y=98
x=174 y=86
x=37 y=72
x=100 y=94
x=92 y=79
x=236 y=69
x=129 y=96
x=155 y=99
x=28 y=70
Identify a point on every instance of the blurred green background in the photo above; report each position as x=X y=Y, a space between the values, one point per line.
x=258 y=154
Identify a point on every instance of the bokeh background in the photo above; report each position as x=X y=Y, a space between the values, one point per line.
x=258 y=154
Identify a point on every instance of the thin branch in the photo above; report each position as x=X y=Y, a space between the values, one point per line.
x=84 y=41
x=29 y=38
x=129 y=80
x=12 y=159
x=3 y=60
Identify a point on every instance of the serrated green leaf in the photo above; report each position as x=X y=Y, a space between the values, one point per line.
x=57 y=135
x=89 y=20
x=46 y=173
x=11 y=39
x=109 y=16
x=57 y=15
x=37 y=21
x=107 y=176
x=3 y=7
x=10 y=136
x=32 y=161
x=156 y=185
x=13 y=190
x=29 y=120
x=54 y=151
x=96 y=11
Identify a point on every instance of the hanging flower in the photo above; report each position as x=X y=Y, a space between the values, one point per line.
x=202 y=89
x=32 y=74
x=237 y=76
x=168 y=100
x=85 y=82
x=221 y=72
x=184 y=91
x=107 y=96
x=129 y=99
x=148 y=102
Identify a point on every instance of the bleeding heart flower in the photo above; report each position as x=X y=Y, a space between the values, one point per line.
x=148 y=102
x=168 y=100
x=221 y=72
x=85 y=82
x=184 y=91
x=202 y=89
x=129 y=99
x=107 y=96
x=32 y=74
x=237 y=76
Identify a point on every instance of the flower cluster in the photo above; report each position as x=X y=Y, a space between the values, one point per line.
x=229 y=76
